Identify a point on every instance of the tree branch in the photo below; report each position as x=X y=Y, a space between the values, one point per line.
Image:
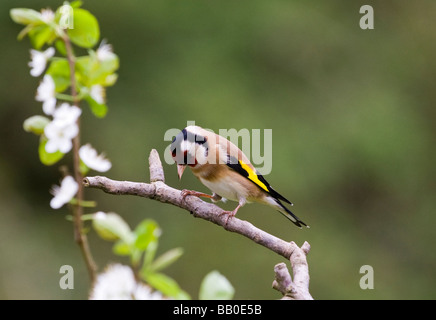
x=297 y=289
x=159 y=191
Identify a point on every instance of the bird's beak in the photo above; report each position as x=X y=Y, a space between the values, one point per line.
x=180 y=169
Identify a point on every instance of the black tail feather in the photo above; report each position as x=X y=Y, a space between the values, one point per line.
x=292 y=217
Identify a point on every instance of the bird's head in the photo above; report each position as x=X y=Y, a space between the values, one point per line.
x=189 y=148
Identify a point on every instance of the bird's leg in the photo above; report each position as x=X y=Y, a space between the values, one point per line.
x=216 y=197
x=186 y=193
x=231 y=214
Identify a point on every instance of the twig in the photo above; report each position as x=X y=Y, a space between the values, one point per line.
x=159 y=191
x=79 y=235
x=297 y=289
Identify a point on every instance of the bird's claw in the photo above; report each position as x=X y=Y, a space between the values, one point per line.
x=184 y=193
x=230 y=215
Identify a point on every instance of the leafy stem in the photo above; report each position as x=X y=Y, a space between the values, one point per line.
x=65 y=97
x=83 y=203
x=79 y=235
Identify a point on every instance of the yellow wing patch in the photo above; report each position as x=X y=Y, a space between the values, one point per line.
x=253 y=176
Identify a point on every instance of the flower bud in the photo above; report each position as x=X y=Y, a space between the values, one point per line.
x=110 y=226
x=36 y=124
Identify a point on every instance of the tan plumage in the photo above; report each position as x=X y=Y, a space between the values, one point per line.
x=225 y=170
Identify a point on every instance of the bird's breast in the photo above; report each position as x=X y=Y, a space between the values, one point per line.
x=225 y=188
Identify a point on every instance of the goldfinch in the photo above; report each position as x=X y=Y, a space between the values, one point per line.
x=225 y=170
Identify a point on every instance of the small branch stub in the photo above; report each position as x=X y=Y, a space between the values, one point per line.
x=296 y=288
x=156 y=169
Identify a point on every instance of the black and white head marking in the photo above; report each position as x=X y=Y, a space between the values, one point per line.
x=190 y=147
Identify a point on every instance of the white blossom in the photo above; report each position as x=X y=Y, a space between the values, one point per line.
x=100 y=215
x=98 y=93
x=118 y=282
x=63 y=193
x=105 y=52
x=66 y=114
x=46 y=94
x=62 y=129
x=144 y=292
x=47 y=15
x=92 y=160
x=60 y=138
x=39 y=60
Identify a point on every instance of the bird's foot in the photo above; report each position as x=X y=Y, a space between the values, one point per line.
x=230 y=214
x=186 y=193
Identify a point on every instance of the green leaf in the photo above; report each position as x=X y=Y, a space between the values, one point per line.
x=91 y=71
x=150 y=252
x=83 y=168
x=166 y=259
x=216 y=287
x=76 y=4
x=84 y=70
x=59 y=70
x=109 y=80
x=40 y=35
x=110 y=226
x=135 y=257
x=60 y=46
x=26 y=16
x=122 y=248
x=25 y=31
x=48 y=158
x=98 y=109
x=36 y=124
x=146 y=232
x=86 y=31
x=106 y=68
x=166 y=285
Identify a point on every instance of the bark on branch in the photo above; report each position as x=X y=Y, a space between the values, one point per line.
x=159 y=191
x=297 y=288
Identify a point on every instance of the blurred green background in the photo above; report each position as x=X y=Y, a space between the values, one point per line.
x=353 y=119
